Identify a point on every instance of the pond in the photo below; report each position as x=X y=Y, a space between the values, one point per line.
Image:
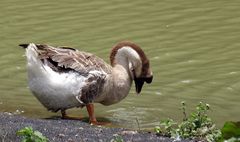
x=193 y=47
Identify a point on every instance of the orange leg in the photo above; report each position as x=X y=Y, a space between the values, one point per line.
x=64 y=114
x=92 y=118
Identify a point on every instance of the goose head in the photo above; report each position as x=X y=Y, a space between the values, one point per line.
x=132 y=57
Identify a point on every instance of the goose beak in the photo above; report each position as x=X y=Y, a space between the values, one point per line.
x=140 y=81
x=138 y=84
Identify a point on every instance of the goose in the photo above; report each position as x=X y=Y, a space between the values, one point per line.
x=63 y=77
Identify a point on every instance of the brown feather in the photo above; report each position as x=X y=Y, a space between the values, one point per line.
x=65 y=58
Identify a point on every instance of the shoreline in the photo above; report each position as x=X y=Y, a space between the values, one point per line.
x=61 y=130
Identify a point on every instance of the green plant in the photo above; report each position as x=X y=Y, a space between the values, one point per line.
x=29 y=135
x=197 y=125
x=117 y=138
x=231 y=131
x=166 y=127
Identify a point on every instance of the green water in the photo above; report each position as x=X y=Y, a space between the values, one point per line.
x=193 y=47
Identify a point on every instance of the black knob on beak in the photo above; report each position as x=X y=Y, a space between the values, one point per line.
x=149 y=79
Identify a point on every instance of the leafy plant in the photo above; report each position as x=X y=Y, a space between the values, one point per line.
x=117 y=138
x=197 y=125
x=231 y=131
x=166 y=127
x=29 y=135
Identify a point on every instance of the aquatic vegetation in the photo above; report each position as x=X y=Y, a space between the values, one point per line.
x=29 y=135
x=197 y=125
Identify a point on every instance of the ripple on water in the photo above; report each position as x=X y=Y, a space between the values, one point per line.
x=158 y=93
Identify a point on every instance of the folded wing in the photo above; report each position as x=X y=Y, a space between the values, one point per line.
x=63 y=59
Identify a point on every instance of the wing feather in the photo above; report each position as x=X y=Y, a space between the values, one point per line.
x=70 y=58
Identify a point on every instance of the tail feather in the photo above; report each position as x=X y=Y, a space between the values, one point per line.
x=38 y=46
x=24 y=45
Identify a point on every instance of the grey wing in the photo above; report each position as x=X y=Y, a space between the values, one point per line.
x=67 y=58
x=93 y=88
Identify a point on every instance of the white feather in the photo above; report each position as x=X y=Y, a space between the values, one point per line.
x=54 y=90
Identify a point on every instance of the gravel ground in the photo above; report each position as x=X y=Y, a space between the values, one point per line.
x=59 y=130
